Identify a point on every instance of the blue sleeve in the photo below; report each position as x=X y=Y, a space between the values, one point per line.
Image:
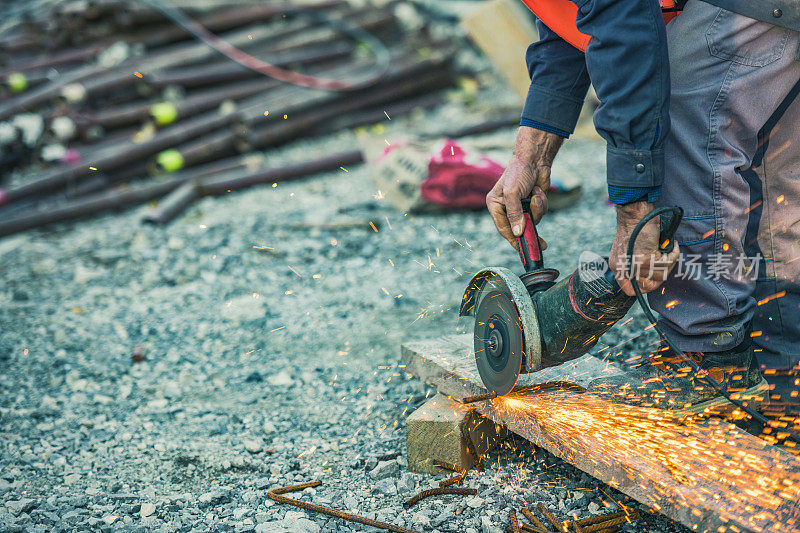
x=629 y=67
x=627 y=62
x=559 y=82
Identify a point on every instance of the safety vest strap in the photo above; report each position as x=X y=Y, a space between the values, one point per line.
x=560 y=15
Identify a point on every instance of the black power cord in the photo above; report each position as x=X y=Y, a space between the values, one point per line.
x=677 y=213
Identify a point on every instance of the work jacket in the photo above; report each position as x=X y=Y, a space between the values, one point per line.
x=784 y=13
x=630 y=73
x=560 y=15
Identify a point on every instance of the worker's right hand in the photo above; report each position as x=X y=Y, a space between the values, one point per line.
x=526 y=176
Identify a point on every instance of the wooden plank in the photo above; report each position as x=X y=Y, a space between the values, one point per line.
x=444 y=430
x=706 y=474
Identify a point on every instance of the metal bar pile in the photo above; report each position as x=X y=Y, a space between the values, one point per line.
x=107 y=103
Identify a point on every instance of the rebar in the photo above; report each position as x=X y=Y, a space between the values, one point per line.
x=458 y=478
x=447 y=466
x=533 y=520
x=601 y=526
x=538 y=387
x=529 y=529
x=550 y=517
x=513 y=522
x=479 y=398
x=600 y=518
x=434 y=492
x=276 y=495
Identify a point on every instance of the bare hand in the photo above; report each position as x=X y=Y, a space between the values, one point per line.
x=651 y=265
x=527 y=176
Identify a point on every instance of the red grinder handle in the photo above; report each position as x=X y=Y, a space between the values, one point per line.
x=530 y=251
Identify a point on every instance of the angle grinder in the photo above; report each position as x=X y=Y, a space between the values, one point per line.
x=529 y=322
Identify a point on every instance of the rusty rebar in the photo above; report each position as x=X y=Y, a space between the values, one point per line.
x=538 y=387
x=530 y=529
x=601 y=526
x=444 y=465
x=458 y=478
x=276 y=495
x=600 y=518
x=513 y=522
x=549 y=516
x=434 y=492
x=479 y=398
x=537 y=524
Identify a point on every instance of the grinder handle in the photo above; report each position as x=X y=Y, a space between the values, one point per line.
x=530 y=251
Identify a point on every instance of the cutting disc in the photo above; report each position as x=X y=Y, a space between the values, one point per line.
x=498 y=341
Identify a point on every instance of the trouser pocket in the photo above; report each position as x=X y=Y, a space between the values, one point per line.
x=746 y=41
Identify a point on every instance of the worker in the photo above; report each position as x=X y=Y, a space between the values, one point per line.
x=703 y=113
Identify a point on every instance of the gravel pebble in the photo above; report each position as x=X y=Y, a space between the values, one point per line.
x=253 y=445
x=385 y=469
x=17 y=507
x=147 y=509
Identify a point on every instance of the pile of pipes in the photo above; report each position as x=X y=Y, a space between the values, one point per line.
x=107 y=103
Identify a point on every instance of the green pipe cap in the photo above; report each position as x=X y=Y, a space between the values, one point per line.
x=164 y=113
x=170 y=160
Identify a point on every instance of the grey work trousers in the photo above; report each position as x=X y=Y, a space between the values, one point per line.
x=733 y=164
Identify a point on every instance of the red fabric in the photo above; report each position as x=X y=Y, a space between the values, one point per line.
x=668 y=16
x=454 y=182
x=560 y=15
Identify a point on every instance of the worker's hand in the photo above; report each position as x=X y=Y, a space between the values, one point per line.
x=651 y=266
x=526 y=176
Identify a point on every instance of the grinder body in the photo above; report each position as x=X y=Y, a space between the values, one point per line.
x=575 y=312
x=529 y=322
x=538 y=324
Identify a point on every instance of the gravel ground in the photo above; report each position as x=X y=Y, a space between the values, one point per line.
x=270 y=344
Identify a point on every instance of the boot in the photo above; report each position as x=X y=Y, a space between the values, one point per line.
x=665 y=381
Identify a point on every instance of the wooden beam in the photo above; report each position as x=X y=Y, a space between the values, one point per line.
x=444 y=430
x=706 y=474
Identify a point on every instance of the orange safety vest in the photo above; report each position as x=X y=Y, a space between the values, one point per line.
x=560 y=15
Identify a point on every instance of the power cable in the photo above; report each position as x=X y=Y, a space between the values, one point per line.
x=697 y=371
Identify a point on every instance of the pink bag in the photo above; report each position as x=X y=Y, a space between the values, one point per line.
x=455 y=182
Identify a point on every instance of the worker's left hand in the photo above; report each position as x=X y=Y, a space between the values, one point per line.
x=651 y=265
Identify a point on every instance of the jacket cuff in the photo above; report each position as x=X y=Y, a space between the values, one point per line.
x=555 y=109
x=544 y=127
x=634 y=168
x=626 y=195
